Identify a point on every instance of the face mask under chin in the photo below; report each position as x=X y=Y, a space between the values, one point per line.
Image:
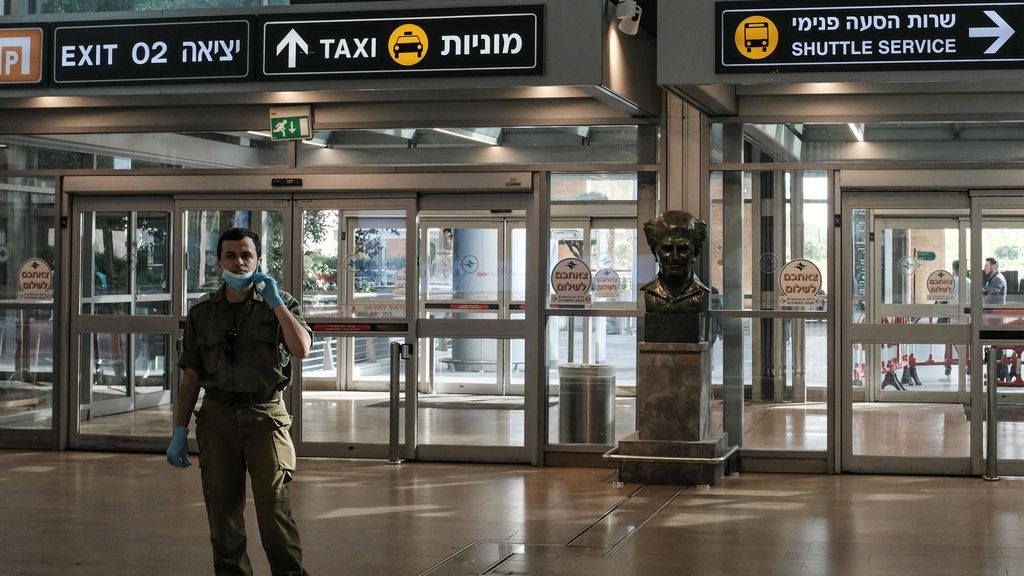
x=237 y=281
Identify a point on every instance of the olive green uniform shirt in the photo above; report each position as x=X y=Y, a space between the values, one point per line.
x=260 y=356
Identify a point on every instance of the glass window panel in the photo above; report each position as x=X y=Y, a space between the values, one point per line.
x=791 y=210
x=466 y=398
x=463 y=264
x=612 y=258
x=598 y=351
x=203 y=228
x=27 y=222
x=593 y=187
x=354 y=264
x=345 y=394
x=106 y=263
x=518 y=259
x=153 y=263
x=1002 y=238
x=905 y=402
x=941 y=142
x=26 y=368
x=784 y=375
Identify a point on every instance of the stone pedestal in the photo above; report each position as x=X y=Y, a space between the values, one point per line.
x=673 y=418
x=673 y=395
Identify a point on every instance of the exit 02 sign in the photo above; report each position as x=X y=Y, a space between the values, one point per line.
x=292 y=123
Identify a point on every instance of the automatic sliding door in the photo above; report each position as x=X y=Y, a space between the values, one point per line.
x=997 y=285
x=122 y=325
x=906 y=398
x=354 y=290
x=473 y=390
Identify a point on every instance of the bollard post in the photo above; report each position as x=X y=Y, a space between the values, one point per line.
x=991 y=462
x=393 y=418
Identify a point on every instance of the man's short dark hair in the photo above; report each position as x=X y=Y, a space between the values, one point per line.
x=238 y=234
x=992 y=261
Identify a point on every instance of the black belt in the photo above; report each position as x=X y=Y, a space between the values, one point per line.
x=240 y=398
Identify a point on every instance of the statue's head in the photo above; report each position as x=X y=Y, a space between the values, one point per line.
x=676 y=239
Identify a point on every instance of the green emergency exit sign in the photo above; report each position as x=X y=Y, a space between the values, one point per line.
x=291 y=123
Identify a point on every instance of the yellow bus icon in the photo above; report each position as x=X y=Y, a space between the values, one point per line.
x=756 y=37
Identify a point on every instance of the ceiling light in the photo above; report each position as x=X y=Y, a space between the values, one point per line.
x=260 y=134
x=475 y=135
x=858 y=130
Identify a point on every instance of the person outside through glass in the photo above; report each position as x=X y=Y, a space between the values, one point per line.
x=994 y=292
x=237 y=346
x=994 y=288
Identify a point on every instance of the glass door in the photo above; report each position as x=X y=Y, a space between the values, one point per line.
x=355 y=289
x=906 y=385
x=123 y=322
x=474 y=402
x=139 y=269
x=997 y=286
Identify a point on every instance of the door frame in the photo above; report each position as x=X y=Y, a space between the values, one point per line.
x=131 y=325
x=848 y=332
x=966 y=335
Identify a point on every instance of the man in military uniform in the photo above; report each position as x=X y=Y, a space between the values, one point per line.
x=237 y=346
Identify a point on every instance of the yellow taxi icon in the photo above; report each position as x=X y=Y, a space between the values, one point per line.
x=408 y=44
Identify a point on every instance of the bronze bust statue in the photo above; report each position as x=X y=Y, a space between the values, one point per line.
x=675 y=238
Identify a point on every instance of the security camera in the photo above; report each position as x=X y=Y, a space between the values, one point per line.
x=628 y=13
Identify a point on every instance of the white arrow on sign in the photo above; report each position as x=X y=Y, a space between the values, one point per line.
x=1001 y=32
x=291 y=41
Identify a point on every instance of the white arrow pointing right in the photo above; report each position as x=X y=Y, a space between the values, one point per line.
x=291 y=41
x=1001 y=32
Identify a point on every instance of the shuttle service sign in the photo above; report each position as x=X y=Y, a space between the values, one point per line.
x=466 y=42
x=756 y=37
x=800 y=284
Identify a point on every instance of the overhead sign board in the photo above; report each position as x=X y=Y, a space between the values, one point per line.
x=21 y=55
x=463 y=42
x=164 y=51
x=756 y=37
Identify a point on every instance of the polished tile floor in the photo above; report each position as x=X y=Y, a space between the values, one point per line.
x=101 y=514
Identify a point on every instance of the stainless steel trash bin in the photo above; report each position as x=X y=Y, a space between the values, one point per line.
x=586 y=404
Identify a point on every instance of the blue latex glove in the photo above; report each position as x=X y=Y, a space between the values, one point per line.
x=267 y=288
x=177 y=451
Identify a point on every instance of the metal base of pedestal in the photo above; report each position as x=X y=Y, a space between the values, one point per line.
x=686 y=463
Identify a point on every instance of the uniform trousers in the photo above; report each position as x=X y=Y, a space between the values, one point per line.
x=253 y=438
